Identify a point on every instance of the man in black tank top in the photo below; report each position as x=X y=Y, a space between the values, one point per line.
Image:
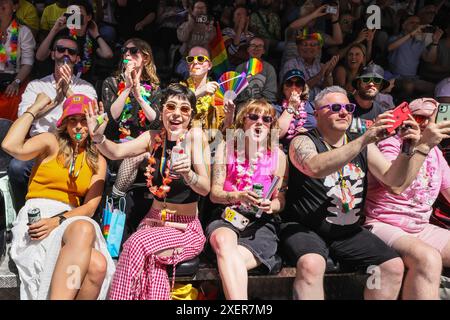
x=327 y=186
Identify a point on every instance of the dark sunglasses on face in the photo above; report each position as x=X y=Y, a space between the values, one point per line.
x=256 y=117
x=298 y=83
x=337 y=107
x=133 y=50
x=62 y=49
x=420 y=119
x=371 y=79
x=186 y=110
x=199 y=59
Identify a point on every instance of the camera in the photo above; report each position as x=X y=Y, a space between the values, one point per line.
x=331 y=9
x=429 y=29
x=203 y=18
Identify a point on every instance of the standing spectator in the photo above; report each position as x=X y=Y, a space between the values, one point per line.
x=28 y=15
x=16 y=59
x=317 y=75
x=130 y=99
x=263 y=84
x=354 y=62
x=199 y=30
x=66 y=186
x=442 y=91
x=266 y=25
x=58 y=85
x=406 y=50
x=400 y=216
x=237 y=39
x=368 y=85
x=87 y=37
x=50 y=15
x=136 y=18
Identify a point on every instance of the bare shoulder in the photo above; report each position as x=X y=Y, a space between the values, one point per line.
x=301 y=149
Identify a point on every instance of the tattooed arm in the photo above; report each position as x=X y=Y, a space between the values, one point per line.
x=303 y=155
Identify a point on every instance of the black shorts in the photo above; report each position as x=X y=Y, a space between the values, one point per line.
x=260 y=237
x=356 y=251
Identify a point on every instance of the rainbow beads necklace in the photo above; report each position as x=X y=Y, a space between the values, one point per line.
x=14 y=28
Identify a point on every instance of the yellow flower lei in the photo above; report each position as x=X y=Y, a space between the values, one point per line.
x=203 y=103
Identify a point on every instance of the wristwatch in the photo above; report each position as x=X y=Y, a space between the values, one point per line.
x=61 y=219
x=17 y=81
x=290 y=110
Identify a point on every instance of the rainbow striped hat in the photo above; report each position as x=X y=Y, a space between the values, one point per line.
x=75 y=104
x=306 y=35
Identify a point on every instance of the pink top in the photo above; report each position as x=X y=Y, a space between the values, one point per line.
x=411 y=209
x=263 y=172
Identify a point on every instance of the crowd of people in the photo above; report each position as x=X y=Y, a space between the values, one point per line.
x=303 y=164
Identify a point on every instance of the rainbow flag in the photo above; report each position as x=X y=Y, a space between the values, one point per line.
x=219 y=56
x=254 y=66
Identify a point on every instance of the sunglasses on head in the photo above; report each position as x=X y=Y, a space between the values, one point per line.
x=133 y=50
x=62 y=49
x=371 y=79
x=337 y=107
x=256 y=117
x=171 y=107
x=298 y=83
x=199 y=59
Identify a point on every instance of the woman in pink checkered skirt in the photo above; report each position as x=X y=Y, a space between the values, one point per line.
x=177 y=175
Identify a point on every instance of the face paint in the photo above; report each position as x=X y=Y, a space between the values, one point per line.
x=78 y=136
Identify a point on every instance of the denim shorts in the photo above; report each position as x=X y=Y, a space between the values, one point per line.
x=260 y=236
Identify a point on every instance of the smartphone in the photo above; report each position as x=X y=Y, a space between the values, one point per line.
x=399 y=114
x=203 y=18
x=331 y=9
x=235 y=218
x=443 y=113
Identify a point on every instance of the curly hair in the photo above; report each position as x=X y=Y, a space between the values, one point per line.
x=65 y=152
x=149 y=70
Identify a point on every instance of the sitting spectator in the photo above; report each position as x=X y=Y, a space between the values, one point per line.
x=137 y=19
x=263 y=84
x=400 y=216
x=237 y=39
x=442 y=91
x=58 y=85
x=66 y=187
x=50 y=15
x=227 y=12
x=207 y=115
x=325 y=197
x=265 y=24
x=296 y=114
x=317 y=75
x=368 y=86
x=87 y=38
x=16 y=59
x=198 y=31
x=171 y=232
x=130 y=100
x=28 y=15
x=354 y=62
x=235 y=173
x=405 y=51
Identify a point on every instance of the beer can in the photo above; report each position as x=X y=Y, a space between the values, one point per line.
x=34 y=215
x=259 y=190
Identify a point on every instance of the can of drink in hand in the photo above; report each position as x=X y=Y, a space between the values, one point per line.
x=34 y=215
x=176 y=153
x=259 y=190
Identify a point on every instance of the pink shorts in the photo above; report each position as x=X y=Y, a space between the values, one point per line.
x=432 y=235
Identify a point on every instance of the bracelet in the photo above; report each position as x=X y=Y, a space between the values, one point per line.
x=191 y=180
x=334 y=22
x=96 y=38
x=421 y=152
x=29 y=112
x=99 y=142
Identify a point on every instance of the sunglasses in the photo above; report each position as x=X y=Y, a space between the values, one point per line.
x=371 y=79
x=62 y=49
x=199 y=59
x=306 y=44
x=186 y=110
x=133 y=50
x=337 y=107
x=298 y=83
x=256 y=117
x=420 y=119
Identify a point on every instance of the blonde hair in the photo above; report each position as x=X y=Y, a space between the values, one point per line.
x=262 y=106
x=65 y=152
x=149 y=70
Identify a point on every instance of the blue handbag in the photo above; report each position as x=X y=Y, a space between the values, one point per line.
x=113 y=225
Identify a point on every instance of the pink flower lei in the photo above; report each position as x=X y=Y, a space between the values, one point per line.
x=299 y=118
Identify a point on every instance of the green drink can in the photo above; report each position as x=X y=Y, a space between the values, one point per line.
x=259 y=190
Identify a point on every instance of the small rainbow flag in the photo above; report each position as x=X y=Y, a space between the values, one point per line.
x=254 y=66
x=219 y=55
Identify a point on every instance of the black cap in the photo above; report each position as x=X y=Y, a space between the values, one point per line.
x=372 y=70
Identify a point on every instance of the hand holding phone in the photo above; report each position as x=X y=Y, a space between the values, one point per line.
x=443 y=113
x=399 y=114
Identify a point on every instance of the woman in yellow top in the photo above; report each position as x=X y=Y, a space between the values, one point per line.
x=63 y=255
